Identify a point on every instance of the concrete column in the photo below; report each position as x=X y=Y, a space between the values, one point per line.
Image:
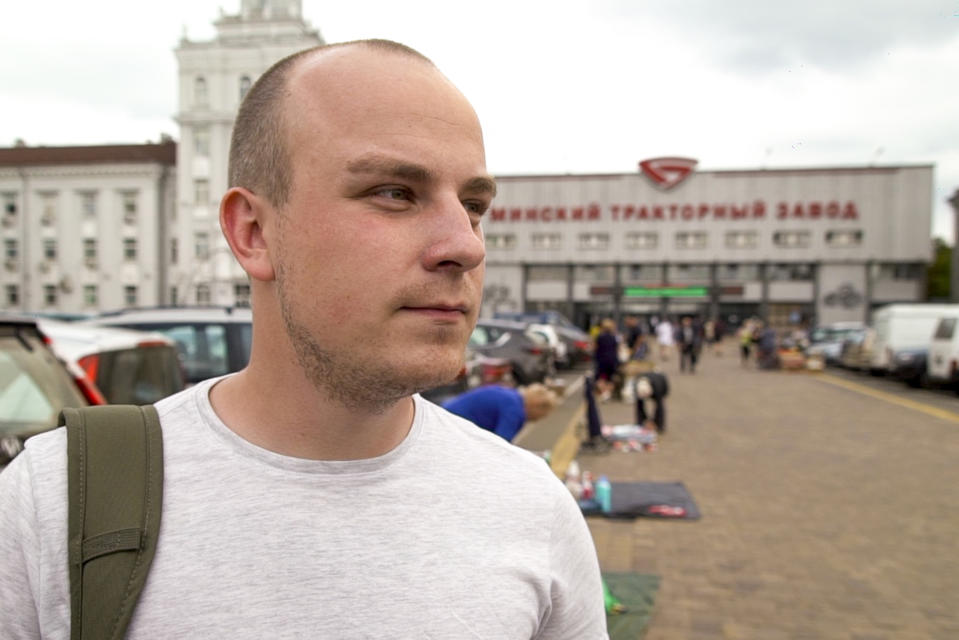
x=523 y=279
x=570 y=303
x=714 y=290
x=764 y=299
x=617 y=295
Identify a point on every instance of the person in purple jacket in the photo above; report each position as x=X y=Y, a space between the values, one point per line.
x=503 y=410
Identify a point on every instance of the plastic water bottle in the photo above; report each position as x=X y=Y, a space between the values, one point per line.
x=604 y=494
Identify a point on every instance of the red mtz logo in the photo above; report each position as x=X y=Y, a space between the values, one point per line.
x=668 y=172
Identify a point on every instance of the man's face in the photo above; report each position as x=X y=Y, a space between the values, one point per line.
x=379 y=252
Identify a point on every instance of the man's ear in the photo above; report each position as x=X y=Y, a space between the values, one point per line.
x=243 y=218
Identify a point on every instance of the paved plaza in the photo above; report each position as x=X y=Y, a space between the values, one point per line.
x=827 y=513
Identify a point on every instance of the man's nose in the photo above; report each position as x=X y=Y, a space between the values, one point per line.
x=455 y=243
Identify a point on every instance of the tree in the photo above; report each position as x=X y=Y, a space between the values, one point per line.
x=938 y=273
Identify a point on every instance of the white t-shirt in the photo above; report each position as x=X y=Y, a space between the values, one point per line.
x=453 y=534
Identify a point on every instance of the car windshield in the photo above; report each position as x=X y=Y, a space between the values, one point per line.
x=34 y=387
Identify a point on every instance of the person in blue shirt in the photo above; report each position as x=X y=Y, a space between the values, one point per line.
x=503 y=410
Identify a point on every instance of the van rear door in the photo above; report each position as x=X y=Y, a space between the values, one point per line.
x=943 y=357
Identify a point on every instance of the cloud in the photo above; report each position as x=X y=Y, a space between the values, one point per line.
x=759 y=36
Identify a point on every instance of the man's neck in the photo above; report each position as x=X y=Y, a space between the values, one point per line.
x=291 y=417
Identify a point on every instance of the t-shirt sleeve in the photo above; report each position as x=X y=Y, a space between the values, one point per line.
x=19 y=560
x=577 y=610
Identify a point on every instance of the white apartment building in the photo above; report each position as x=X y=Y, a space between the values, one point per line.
x=214 y=75
x=812 y=244
x=83 y=227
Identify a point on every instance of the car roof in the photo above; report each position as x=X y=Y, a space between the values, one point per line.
x=503 y=324
x=75 y=340
x=176 y=314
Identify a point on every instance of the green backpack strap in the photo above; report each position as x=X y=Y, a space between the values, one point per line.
x=115 y=471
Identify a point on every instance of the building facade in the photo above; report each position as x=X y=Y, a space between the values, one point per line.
x=214 y=75
x=83 y=227
x=789 y=245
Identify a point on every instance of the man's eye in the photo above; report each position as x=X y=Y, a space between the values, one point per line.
x=475 y=206
x=393 y=193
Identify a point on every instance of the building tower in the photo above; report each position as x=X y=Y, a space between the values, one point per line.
x=214 y=75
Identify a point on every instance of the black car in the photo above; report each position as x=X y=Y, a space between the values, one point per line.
x=909 y=366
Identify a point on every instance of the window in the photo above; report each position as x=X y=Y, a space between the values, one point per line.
x=844 y=238
x=200 y=95
x=737 y=272
x=174 y=296
x=241 y=294
x=593 y=273
x=48 y=209
x=12 y=295
x=90 y=295
x=50 y=295
x=791 y=239
x=9 y=200
x=89 y=249
x=899 y=271
x=641 y=240
x=742 y=239
x=201 y=191
x=88 y=204
x=689 y=272
x=501 y=241
x=129 y=248
x=546 y=273
x=11 y=250
x=947 y=326
x=201 y=242
x=174 y=251
x=201 y=141
x=128 y=202
x=130 y=295
x=244 y=86
x=203 y=294
x=648 y=272
x=594 y=241
x=790 y=271
x=50 y=248
x=547 y=240
x=691 y=240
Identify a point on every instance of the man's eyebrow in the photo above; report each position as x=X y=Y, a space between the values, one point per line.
x=388 y=166
x=384 y=165
x=482 y=185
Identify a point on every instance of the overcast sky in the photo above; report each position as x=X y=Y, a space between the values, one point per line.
x=560 y=85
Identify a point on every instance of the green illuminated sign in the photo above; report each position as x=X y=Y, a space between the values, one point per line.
x=666 y=292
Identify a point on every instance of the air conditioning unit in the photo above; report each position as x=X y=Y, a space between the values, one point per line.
x=8 y=221
x=91 y=263
x=44 y=267
x=129 y=218
x=47 y=220
x=10 y=264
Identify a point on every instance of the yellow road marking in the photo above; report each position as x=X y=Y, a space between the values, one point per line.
x=567 y=445
x=888 y=397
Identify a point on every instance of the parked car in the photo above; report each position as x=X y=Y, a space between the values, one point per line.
x=904 y=326
x=528 y=352
x=478 y=370
x=212 y=341
x=127 y=366
x=942 y=366
x=34 y=385
x=856 y=349
x=558 y=346
x=827 y=339
x=579 y=345
x=909 y=366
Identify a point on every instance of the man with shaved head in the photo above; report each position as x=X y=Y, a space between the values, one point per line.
x=315 y=494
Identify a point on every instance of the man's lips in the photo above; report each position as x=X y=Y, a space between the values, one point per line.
x=438 y=311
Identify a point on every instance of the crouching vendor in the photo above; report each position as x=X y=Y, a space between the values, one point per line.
x=503 y=410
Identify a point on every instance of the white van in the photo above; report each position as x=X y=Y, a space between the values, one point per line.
x=904 y=326
x=942 y=365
